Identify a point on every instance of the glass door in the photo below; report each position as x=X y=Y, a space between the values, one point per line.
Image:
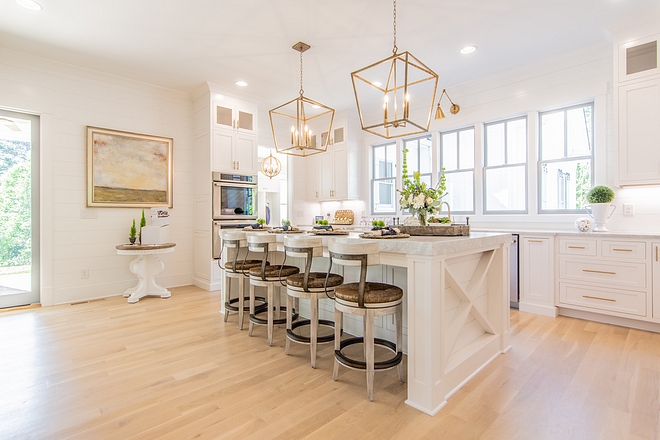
x=19 y=209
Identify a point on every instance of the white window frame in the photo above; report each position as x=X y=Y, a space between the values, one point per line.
x=506 y=165
x=393 y=179
x=458 y=162
x=565 y=158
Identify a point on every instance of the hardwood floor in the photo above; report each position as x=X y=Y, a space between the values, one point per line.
x=172 y=369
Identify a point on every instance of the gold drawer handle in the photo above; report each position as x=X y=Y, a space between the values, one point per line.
x=598 y=271
x=577 y=247
x=622 y=250
x=535 y=241
x=598 y=298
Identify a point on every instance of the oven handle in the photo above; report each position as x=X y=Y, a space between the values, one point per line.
x=236 y=184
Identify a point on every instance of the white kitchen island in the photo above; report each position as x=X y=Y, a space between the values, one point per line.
x=456 y=308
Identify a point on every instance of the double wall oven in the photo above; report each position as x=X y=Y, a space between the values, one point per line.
x=234 y=204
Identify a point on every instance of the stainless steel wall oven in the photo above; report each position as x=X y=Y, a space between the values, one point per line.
x=234 y=197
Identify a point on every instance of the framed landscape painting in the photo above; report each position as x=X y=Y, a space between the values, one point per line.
x=128 y=169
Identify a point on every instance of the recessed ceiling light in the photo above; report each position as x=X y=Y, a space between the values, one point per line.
x=377 y=83
x=468 y=49
x=30 y=4
x=241 y=83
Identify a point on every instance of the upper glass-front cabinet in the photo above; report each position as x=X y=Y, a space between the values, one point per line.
x=234 y=118
x=639 y=58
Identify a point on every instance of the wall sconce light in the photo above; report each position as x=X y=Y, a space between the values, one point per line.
x=439 y=114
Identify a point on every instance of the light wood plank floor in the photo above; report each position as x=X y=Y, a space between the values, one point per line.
x=172 y=369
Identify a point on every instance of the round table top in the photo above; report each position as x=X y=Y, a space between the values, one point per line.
x=144 y=247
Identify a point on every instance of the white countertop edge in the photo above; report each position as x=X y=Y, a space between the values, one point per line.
x=612 y=234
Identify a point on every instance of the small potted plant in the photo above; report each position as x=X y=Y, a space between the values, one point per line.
x=377 y=224
x=132 y=234
x=286 y=225
x=323 y=224
x=143 y=223
x=600 y=206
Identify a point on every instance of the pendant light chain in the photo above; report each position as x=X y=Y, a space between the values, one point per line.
x=395 y=49
x=301 y=75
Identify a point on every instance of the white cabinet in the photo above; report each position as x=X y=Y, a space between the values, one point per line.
x=334 y=174
x=337 y=135
x=613 y=280
x=313 y=177
x=639 y=132
x=234 y=115
x=537 y=275
x=234 y=152
x=655 y=255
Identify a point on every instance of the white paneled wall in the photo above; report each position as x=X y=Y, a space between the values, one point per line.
x=68 y=99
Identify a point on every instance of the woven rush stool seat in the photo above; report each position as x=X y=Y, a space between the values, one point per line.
x=366 y=299
x=234 y=268
x=267 y=275
x=308 y=285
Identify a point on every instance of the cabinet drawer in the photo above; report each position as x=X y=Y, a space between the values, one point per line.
x=626 y=250
x=576 y=246
x=631 y=275
x=622 y=301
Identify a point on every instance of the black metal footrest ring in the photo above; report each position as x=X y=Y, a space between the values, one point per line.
x=257 y=308
x=257 y=320
x=361 y=365
x=306 y=339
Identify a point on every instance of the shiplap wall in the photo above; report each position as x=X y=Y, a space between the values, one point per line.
x=68 y=99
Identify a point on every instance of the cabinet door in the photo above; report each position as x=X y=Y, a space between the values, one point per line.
x=245 y=119
x=222 y=156
x=223 y=116
x=341 y=173
x=312 y=169
x=327 y=171
x=536 y=271
x=245 y=153
x=639 y=133
x=655 y=250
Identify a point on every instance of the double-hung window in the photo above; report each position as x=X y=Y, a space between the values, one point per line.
x=418 y=158
x=383 y=183
x=566 y=158
x=505 y=170
x=457 y=161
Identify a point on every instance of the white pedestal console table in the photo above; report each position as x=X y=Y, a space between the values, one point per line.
x=146 y=266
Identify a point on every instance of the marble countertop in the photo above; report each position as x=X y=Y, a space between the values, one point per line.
x=614 y=234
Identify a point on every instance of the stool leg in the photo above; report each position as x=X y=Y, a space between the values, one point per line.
x=270 y=313
x=278 y=302
x=289 y=316
x=241 y=301
x=227 y=295
x=313 y=327
x=251 y=326
x=369 y=352
x=399 y=339
x=338 y=324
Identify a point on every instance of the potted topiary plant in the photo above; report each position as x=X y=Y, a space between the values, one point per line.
x=132 y=234
x=143 y=223
x=600 y=206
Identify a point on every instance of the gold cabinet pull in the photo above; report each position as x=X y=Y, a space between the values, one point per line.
x=577 y=247
x=535 y=241
x=598 y=271
x=622 y=250
x=599 y=298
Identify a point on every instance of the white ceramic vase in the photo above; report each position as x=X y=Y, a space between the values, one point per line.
x=600 y=212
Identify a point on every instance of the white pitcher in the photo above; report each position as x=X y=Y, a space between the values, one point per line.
x=599 y=212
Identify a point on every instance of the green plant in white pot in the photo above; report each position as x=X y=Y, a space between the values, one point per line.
x=600 y=206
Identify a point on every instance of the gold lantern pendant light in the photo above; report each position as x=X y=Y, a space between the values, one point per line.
x=271 y=166
x=295 y=123
x=395 y=96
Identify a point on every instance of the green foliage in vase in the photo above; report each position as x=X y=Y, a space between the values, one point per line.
x=133 y=232
x=261 y=221
x=378 y=223
x=286 y=222
x=600 y=194
x=419 y=198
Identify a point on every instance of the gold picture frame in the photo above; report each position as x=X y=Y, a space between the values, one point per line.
x=127 y=169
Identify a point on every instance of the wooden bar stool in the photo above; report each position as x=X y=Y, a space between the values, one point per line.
x=266 y=275
x=307 y=285
x=234 y=241
x=368 y=300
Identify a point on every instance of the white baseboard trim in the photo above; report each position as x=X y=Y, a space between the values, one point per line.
x=204 y=284
x=614 y=320
x=550 y=311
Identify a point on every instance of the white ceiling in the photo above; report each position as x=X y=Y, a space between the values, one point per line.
x=180 y=44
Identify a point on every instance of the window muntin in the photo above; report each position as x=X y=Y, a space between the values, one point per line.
x=418 y=157
x=457 y=160
x=505 y=173
x=383 y=184
x=566 y=158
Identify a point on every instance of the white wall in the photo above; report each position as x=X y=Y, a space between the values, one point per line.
x=69 y=98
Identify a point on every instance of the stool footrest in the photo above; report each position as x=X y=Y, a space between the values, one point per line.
x=260 y=308
x=306 y=339
x=361 y=365
x=257 y=320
